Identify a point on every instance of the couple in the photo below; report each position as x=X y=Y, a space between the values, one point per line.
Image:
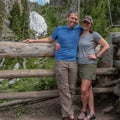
x=75 y=48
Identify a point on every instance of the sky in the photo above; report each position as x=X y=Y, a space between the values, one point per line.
x=40 y=2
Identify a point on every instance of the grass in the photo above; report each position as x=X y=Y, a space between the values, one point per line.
x=29 y=84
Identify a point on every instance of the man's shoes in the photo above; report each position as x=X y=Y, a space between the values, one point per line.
x=67 y=118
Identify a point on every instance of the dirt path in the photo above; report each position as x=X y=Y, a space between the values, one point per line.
x=47 y=110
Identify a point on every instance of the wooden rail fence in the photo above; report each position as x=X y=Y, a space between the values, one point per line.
x=22 y=50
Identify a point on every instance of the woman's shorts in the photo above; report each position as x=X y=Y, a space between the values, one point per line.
x=87 y=71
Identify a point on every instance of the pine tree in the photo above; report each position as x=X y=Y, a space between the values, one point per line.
x=115 y=11
x=2 y=14
x=99 y=12
x=25 y=19
x=15 y=20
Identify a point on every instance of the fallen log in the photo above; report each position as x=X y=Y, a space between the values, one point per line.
x=115 y=82
x=39 y=99
x=15 y=102
x=46 y=73
x=45 y=94
x=29 y=95
x=21 y=101
x=19 y=49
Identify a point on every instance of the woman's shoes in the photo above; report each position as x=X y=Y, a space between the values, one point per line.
x=89 y=117
x=82 y=115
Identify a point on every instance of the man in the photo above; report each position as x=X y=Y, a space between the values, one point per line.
x=65 y=61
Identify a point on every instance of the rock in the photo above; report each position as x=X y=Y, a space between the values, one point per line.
x=107 y=59
x=108 y=109
x=117 y=90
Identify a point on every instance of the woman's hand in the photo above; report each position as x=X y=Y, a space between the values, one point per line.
x=92 y=56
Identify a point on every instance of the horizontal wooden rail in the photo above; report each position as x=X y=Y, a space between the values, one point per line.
x=26 y=73
x=45 y=94
x=46 y=73
x=19 y=49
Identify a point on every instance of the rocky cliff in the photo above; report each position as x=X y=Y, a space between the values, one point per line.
x=6 y=33
x=9 y=4
x=70 y=4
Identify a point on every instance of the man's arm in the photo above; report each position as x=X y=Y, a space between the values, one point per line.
x=42 y=40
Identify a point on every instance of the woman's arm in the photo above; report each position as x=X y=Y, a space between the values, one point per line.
x=105 y=47
x=42 y=40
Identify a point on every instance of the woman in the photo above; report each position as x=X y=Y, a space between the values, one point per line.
x=87 y=65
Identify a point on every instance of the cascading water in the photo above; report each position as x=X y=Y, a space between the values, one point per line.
x=38 y=24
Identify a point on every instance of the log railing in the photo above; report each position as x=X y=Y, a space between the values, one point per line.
x=47 y=73
x=23 y=50
x=18 y=49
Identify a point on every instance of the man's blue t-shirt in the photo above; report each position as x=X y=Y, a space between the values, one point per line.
x=68 y=39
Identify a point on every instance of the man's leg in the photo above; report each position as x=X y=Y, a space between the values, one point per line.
x=61 y=71
x=72 y=76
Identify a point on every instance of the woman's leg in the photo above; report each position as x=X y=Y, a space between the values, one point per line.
x=91 y=101
x=90 y=105
x=85 y=86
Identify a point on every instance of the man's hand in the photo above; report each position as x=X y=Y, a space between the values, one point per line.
x=57 y=46
x=27 y=41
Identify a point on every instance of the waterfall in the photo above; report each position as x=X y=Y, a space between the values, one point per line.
x=38 y=24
